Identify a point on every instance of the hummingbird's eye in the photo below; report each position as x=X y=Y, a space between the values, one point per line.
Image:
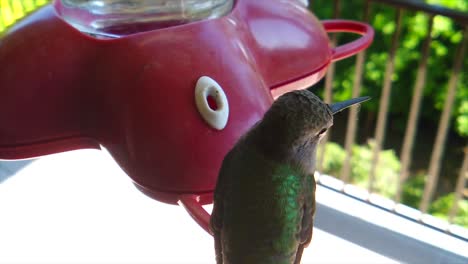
x=322 y=131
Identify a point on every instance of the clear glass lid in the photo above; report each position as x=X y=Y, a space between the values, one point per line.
x=114 y=18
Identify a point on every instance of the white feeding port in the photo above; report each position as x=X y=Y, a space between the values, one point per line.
x=212 y=103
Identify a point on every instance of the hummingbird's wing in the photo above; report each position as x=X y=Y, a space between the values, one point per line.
x=240 y=167
x=307 y=218
x=216 y=221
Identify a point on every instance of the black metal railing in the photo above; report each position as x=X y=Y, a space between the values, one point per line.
x=451 y=84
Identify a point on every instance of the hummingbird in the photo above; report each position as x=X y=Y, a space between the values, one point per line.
x=264 y=201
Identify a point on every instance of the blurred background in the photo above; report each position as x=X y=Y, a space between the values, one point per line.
x=410 y=142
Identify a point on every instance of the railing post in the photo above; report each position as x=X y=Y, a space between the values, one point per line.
x=2 y=25
x=385 y=100
x=6 y=15
x=18 y=9
x=411 y=126
x=26 y=6
x=41 y=2
x=13 y=10
x=328 y=93
x=353 y=112
x=439 y=145
x=462 y=179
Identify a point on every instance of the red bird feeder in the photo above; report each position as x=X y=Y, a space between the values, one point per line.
x=167 y=103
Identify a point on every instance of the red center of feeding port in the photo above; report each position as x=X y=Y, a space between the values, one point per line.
x=212 y=103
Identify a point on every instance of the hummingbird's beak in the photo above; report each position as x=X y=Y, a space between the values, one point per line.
x=340 y=106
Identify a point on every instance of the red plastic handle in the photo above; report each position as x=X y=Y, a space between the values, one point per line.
x=349 y=49
x=193 y=205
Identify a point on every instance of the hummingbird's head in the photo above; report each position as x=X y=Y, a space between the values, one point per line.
x=302 y=113
x=300 y=118
x=296 y=122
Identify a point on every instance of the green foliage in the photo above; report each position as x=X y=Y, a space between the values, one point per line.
x=453 y=4
x=13 y=10
x=361 y=160
x=442 y=206
x=388 y=167
x=387 y=178
x=446 y=37
x=413 y=190
x=462 y=119
x=334 y=158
